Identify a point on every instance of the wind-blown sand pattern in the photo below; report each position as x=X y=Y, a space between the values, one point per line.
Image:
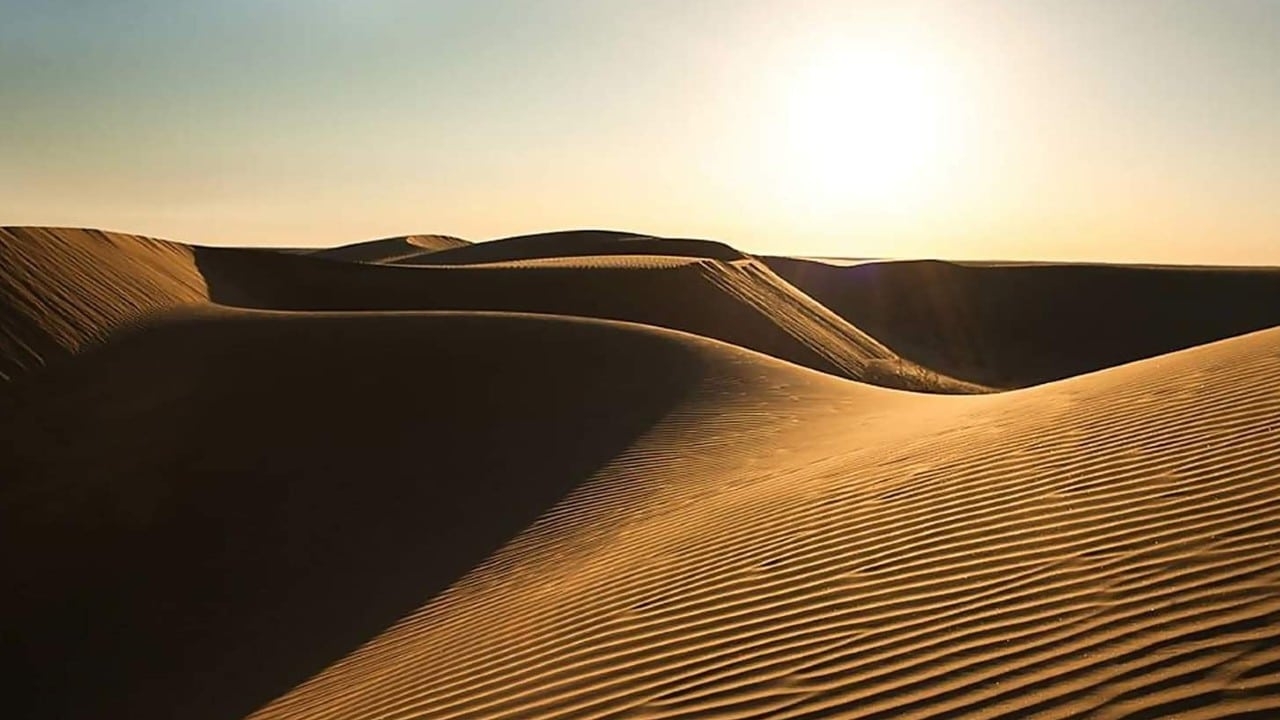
x=1101 y=546
x=65 y=288
x=739 y=300
x=356 y=508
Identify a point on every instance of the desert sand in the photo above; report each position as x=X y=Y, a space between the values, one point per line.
x=607 y=475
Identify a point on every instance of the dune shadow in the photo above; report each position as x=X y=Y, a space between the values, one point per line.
x=1014 y=326
x=208 y=511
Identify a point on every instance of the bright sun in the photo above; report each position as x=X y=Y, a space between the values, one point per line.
x=870 y=128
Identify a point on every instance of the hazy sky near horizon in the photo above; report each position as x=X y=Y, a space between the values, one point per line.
x=1064 y=130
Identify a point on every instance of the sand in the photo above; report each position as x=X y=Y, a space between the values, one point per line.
x=65 y=288
x=394 y=249
x=785 y=546
x=298 y=489
x=737 y=300
x=1015 y=325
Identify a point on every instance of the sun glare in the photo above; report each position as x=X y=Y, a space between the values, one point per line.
x=872 y=128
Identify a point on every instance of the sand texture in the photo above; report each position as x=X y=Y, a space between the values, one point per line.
x=64 y=288
x=552 y=479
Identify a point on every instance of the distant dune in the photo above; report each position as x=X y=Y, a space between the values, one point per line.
x=576 y=243
x=1013 y=325
x=393 y=249
x=739 y=301
x=597 y=475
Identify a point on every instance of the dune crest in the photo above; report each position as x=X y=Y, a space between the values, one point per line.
x=234 y=499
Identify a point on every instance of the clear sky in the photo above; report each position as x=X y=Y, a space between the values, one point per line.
x=1078 y=129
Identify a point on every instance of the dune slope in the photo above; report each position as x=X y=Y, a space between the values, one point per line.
x=803 y=548
x=62 y=289
x=1020 y=325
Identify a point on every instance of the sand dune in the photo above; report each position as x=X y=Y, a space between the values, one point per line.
x=393 y=249
x=287 y=486
x=741 y=302
x=785 y=545
x=65 y=288
x=1014 y=325
x=209 y=509
x=577 y=242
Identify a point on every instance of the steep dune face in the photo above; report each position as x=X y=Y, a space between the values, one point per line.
x=1014 y=326
x=62 y=289
x=852 y=353
x=1099 y=547
x=394 y=249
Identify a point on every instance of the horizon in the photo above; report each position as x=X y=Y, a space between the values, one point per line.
x=995 y=261
x=1044 y=131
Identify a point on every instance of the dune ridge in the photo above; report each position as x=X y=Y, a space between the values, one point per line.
x=200 y=514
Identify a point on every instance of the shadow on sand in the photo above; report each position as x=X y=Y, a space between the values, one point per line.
x=208 y=511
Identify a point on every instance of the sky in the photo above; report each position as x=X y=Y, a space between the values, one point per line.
x=1082 y=130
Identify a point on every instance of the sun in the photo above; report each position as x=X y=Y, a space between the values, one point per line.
x=871 y=127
